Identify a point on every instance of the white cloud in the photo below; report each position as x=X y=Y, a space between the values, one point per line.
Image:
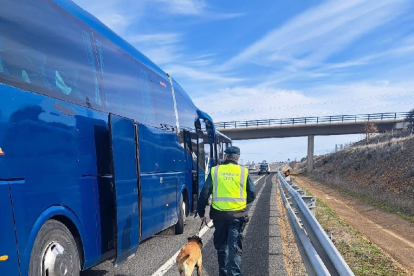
x=320 y=32
x=116 y=14
x=391 y=53
x=351 y=98
x=258 y=102
x=198 y=75
x=249 y=103
x=159 y=38
x=162 y=48
x=202 y=60
x=186 y=7
x=197 y=8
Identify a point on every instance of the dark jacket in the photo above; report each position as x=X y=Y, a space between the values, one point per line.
x=219 y=215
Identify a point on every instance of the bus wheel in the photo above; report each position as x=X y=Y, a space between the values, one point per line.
x=179 y=227
x=54 y=252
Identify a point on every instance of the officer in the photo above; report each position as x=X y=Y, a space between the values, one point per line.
x=232 y=189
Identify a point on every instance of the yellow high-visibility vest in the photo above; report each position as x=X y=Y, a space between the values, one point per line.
x=229 y=187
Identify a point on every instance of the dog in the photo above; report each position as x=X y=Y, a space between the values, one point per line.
x=190 y=257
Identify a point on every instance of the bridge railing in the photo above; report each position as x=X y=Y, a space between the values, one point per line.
x=319 y=254
x=313 y=120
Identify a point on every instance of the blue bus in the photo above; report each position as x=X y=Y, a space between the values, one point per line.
x=99 y=148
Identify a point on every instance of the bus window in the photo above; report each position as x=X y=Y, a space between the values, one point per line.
x=127 y=83
x=44 y=50
x=131 y=90
x=164 y=104
x=186 y=112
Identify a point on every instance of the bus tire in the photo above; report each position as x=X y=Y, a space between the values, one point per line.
x=54 y=251
x=179 y=226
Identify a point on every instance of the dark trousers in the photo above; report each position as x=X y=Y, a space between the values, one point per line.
x=228 y=243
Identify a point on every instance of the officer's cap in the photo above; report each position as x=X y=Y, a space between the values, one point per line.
x=232 y=150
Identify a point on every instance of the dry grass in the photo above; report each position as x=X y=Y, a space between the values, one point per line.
x=381 y=174
x=361 y=255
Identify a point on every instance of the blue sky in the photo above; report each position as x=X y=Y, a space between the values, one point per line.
x=244 y=59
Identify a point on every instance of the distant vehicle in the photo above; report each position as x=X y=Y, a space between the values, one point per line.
x=264 y=168
x=252 y=168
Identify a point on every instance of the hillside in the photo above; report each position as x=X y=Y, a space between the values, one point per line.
x=381 y=173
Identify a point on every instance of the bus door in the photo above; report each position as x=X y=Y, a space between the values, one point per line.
x=191 y=148
x=124 y=149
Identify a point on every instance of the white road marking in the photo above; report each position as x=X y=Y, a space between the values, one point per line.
x=165 y=267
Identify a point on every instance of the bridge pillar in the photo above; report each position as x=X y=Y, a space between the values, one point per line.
x=311 y=144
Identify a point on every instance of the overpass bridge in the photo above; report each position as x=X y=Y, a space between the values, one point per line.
x=310 y=126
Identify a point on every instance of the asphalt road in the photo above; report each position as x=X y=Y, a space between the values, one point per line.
x=262 y=245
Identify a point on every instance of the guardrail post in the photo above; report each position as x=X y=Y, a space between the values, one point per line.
x=235 y=124
x=395 y=116
x=382 y=115
x=330 y=119
x=369 y=116
x=317 y=120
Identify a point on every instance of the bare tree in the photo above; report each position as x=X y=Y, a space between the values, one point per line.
x=369 y=129
x=410 y=120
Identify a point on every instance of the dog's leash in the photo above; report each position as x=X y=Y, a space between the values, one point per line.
x=204 y=222
x=201 y=226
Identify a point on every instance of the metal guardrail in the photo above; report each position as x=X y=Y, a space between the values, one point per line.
x=313 y=120
x=319 y=254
